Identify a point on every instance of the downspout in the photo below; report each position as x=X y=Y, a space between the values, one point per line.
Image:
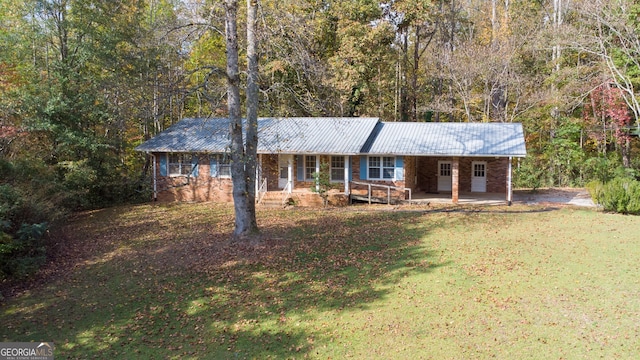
x=509 y=188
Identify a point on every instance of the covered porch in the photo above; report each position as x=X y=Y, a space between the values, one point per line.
x=463 y=180
x=467 y=198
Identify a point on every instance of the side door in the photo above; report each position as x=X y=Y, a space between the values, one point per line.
x=479 y=176
x=444 y=175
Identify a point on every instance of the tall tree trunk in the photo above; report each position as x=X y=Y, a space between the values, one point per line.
x=244 y=224
x=252 y=113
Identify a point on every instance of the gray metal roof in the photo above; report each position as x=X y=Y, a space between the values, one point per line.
x=326 y=136
x=448 y=139
x=345 y=136
x=191 y=135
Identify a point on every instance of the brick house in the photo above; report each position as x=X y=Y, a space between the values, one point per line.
x=364 y=157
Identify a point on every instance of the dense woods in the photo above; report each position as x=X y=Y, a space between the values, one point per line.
x=82 y=82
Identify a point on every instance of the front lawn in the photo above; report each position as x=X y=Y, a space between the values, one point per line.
x=163 y=281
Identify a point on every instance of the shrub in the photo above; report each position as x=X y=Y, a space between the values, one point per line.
x=621 y=195
x=24 y=254
x=22 y=227
x=529 y=174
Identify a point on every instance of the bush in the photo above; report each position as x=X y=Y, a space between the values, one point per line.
x=529 y=174
x=24 y=254
x=621 y=195
x=24 y=212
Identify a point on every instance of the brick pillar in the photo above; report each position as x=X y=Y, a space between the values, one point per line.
x=455 y=167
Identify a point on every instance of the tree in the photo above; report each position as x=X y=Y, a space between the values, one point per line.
x=243 y=156
x=608 y=112
x=612 y=32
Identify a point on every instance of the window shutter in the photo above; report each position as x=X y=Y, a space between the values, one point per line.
x=363 y=167
x=300 y=166
x=163 y=164
x=350 y=169
x=213 y=165
x=399 y=173
x=194 y=165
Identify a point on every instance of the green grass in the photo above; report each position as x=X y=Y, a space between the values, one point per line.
x=164 y=281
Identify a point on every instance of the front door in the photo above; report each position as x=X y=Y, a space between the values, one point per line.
x=478 y=176
x=284 y=162
x=444 y=175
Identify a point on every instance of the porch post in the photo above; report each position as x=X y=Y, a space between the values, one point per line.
x=347 y=171
x=155 y=179
x=455 y=166
x=290 y=173
x=509 y=186
x=317 y=171
x=258 y=174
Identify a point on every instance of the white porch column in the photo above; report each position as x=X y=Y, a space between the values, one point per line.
x=290 y=173
x=509 y=186
x=347 y=171
x=258 y=173
x=317 y=171
x=455 y=180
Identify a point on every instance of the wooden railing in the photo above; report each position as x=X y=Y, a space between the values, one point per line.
x=286 y=192
x=370 y=185
x=262 y=190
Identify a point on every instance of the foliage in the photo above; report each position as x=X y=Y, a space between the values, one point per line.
x=621 y=195
x=529 y=173
x=22 y=248
x=323 y=184
x=22 y=255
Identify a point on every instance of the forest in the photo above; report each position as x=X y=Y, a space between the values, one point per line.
x=83 y=82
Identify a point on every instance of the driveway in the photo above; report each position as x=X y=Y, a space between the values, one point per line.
x=566 y=196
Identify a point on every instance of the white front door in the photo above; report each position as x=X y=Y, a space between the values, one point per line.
x=284 y=162
x=444 y=175
x=479 y=176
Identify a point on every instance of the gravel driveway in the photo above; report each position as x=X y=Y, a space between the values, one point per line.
x=566 y=196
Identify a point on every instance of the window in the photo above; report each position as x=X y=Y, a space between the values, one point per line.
x=309 y=166
x=445 y=169
x=224 y=166
x=478 y=169
x=337 y=168
x=381 y=167
x=220 y=165
x=180 y=164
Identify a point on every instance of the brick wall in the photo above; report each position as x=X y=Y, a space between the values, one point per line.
x=205 y=188
x=200 y=188
x=496 y=172
x=270 y=170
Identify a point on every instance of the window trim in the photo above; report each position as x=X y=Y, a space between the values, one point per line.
x=342 y=169
x=305 y=167
x=474 y=171
x=220 y=163
x=381 y=168
x=180 y=164
x=447 y=168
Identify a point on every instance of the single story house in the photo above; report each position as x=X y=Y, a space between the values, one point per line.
x=364 y=157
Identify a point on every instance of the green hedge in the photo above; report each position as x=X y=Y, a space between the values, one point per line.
x=621 y=195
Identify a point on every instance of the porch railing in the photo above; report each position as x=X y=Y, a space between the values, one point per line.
x=286 y=192
x=388 y=187
x=262 y=190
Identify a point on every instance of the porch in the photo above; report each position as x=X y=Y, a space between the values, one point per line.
x=375 y=193
x=466 y=198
